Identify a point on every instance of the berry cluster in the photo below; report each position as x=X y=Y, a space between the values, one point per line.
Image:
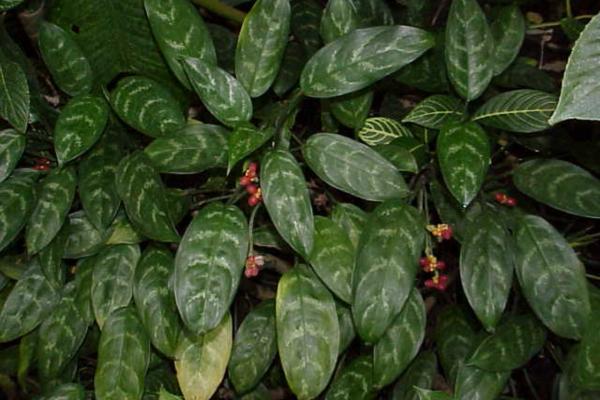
x=440 y=231
x=250 y=182
x=42 y=164
x=253 y=264
x=503 y=198
x=431 y=264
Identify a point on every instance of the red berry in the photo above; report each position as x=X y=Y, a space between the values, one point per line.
x=442 y=282
x=511 y=202
x=447 y=233
x=441 y=265
x=429 y=283
x=251 y=272
x=423 y=262
x=253 y=200
x=500 y=197
x=251 y=188
x=252 y=168
x=245 y=180
x=41 y=167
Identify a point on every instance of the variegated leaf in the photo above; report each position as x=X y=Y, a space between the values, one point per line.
x=339 y=18
x=307 y=332
x=293 y=61
x=560 y=184
x=14 y=94
x=180 y=202
x=552 y=278
x=50 y=258
x=55 y=197
x=386 y=266
x=244 y=140
x=254 y=347
x=123 y=232
x=305 y=24
x=463 y=151
x=469 y=49
x=201 y=360
x=353 y=167
x=355 y=381
x=259 y=393
x=374 y=12
x=209 y=264
x=180 y=32
x=123 y=356
x=287 y=200
x=347 y=331
x=362 y=57
x=83 y=296
x=140 y=188
x=222 y=95
x=261 y=45
x=154 y=300
x=195 y=148
x=17 y=200
x=352 y=220
x=401 y=341
x=435 y=111
x=65 y=60
x=508 y=32
x=8 y=4
x=419 y=374
x=83 y=238
x=352 y=109
x=112 y=280
x=381 y=130
x=586 y=364
x=147 y=106
x=225 y=41
x=424 y=394
x=473 y=383
x=67 y=391
x=12 y=146
x=402 y=158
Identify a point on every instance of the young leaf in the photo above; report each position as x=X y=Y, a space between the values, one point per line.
x=352 y=109
x=381 y=130
x=293 y=61
x=508 y=32
x=339 y=68
x=353 y=167
x=464 y=155
x=307 y=332
x=469 y=49
x=339 y=18
x=14 y=94
x=355 y=381
x=419 y=374
x=261 y=44
x=435 y=111
x=244 y=140
x=12 y=146
x=474 y=383
x=17 y=201
x=351 y=219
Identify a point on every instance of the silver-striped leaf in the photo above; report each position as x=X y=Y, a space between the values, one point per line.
x=469 y=49
x=293 y=61
x=17 y=201
x=67 y=63
x=308 y=333
x=123 y=232
x=401 y=341
x=84 y=271
x=123 y=356
x=521 y=111
x=586 y=364
x=351 y=218
x=552 y=278
x=193 y=149
x=473 y=383
x=561 y=185
x=419 y=374
x=508 y=32
x=305 y=24
x=244 y=140
x=386 y=266
x=14 y=94
x=381 y=130
x=374 y=12
x=140 y=188
x=400 y=156
x=346 y=324
x=354 y=381
x=261 y=45
x=353 y=167
x=224 y=41
x=83 y=238
x=209 y=264
x=56 y=194
x=463 y=151
x=339 y=18
x=352 y=109
x=112 y=280
x=12 y=146
x=67 y=391
x=222 y=95
x=50 y=258
x=362 y=57
x=254 y=347
x=287 y=200
x=436 y=111
x=8 y=4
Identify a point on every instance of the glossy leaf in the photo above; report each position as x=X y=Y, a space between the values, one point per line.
x=347 y=331
x=374 y=12
x=419 y=374
x=67 y=391
x=50 y=258
x=224 y=41
x=455 y=338
x=352 y=109
x=8 y=4
x=353 y=167
x=351 y=219
x=305 y=23
x=424 y=394
x=17 y=201
x=586 y=363
x=381 y=130
x=476 y=384
x=293 y=61
x=338 y=68
x=14 y=94
x=243 y=141
x=436 y=111
x=307 y=332
x=261 y=44
x=354 y=382
x=209 y=264
x=561 y=185
x=552 y=278
x=83 y=238
x=12 y=146
x=508 y=32
x=339 y=18
x=469 y=49
x=386 y=266
x=402 y=158
x=83 y=281
x=464 y=155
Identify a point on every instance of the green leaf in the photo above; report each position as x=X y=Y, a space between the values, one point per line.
x=307 y=332
x=351 y=219
x=374 y=12
x=261 y=44
x=354 y=381
x=195 y=148
x=27 y=347
x=579 y=96
x=27 y=305
x=419 y=374
x=522 y=111
x=55 y=197
x=112 y=280
x=147 y=106
x=210 y=260
x=486 y=267
x=353 y=167
x=435 y=111
x=403 y=159
x=381 y=52
x=381 y=130
x=60 y=335
x=287 y=200
x=143 y=195
x=552 y=278
x=180 y=32
x=469 y=49
x=586 y=364
x=254 y=347
x=79 y=126
x=293 y=61
x=572 y=27
x=8 y=4
x=12 y=146
x=164 y=395
x=65 y=60
x=83 y=281
x=560 y=184
x=339 y=18
x=401 y=341
x=17 y=200
x=179 y=204
x=332 y=257
x=515 y=341
x=123 y=356
x=201 y=361
x=386 y=266
x=347 y=332
x=508 y=32
x=122 y=232
x=224 y=41
x=464 y=155
x=51 y=256
x=474 y=383
x=352 y=109
x=154 y=301
x=67 y=391
x=83 y=238
x=222 y=95
x=244 y=140
x=14 y=94
x=425 y=394
x=305 y=24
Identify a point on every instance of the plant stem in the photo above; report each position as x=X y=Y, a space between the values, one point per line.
x=557 y=23
x=569 y=8
x=251 y=228
x=215 y=6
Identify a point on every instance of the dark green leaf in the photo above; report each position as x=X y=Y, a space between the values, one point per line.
x=14 y=94
x=225 y=41
x=420 y=373
x=354 y=382
x=572 y=27
x=435 y=111
x=244 y=140
x=293 y=61
x=455 y=338
x=351 y=218
x=122 y=232
x=402 y=158
x=508 y=32
x=586 y=364
x=305 y=24
x=425 y=394
x=352 y=109
x=83 y=281
x=51 y=256
x=12 y=146
x=474 y=383
x=83 y=238
x=8 y=4
x=381 y=130
x=347 y=332
x=67 y=391
x=339 y=18
x=374 y=12
x=17 y=200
